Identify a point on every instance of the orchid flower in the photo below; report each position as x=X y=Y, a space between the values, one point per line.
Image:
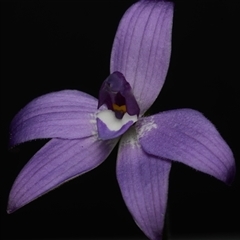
x=83 y=130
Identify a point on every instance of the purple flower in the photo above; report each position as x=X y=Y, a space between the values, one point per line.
x=84 y=130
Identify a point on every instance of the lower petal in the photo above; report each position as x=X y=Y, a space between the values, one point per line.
x=143 y=180
x=57 y=162
x=186 y=136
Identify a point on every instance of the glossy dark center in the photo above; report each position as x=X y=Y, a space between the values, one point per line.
x=117 y=94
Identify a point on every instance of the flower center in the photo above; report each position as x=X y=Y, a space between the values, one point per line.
x=123 y=110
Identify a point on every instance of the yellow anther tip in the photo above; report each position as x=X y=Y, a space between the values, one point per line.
x=119 y=108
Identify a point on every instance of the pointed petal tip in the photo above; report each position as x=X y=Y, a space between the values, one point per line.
x=10 y=211
x=231 y=175
x=13 y=203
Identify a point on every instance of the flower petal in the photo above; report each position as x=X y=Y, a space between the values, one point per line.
x=143 y=180
x=142 y=48
x=186 y=136
x=65 y=114
x=58 y=161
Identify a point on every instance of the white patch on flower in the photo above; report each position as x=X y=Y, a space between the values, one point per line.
x=145 y=125
x=132 y=136
x=93 y=122
x=114 y=124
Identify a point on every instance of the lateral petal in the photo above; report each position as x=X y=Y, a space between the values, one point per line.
x=186 y=136
x=67 y=114
x=57 y=162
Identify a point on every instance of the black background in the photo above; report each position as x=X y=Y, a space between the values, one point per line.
x=53 y=45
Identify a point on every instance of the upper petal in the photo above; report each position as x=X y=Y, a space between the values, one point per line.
x=143 y=180
x=58 y=161
x=65 y=114
x=142 y=48
x=185 y=135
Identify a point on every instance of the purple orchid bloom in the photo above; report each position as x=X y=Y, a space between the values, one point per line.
x=84 y=130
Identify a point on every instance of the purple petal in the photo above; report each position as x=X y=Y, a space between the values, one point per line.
x=142 y=48
x=65 y=114
x=143 y=180
x=186 y=136
x=58 y=161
